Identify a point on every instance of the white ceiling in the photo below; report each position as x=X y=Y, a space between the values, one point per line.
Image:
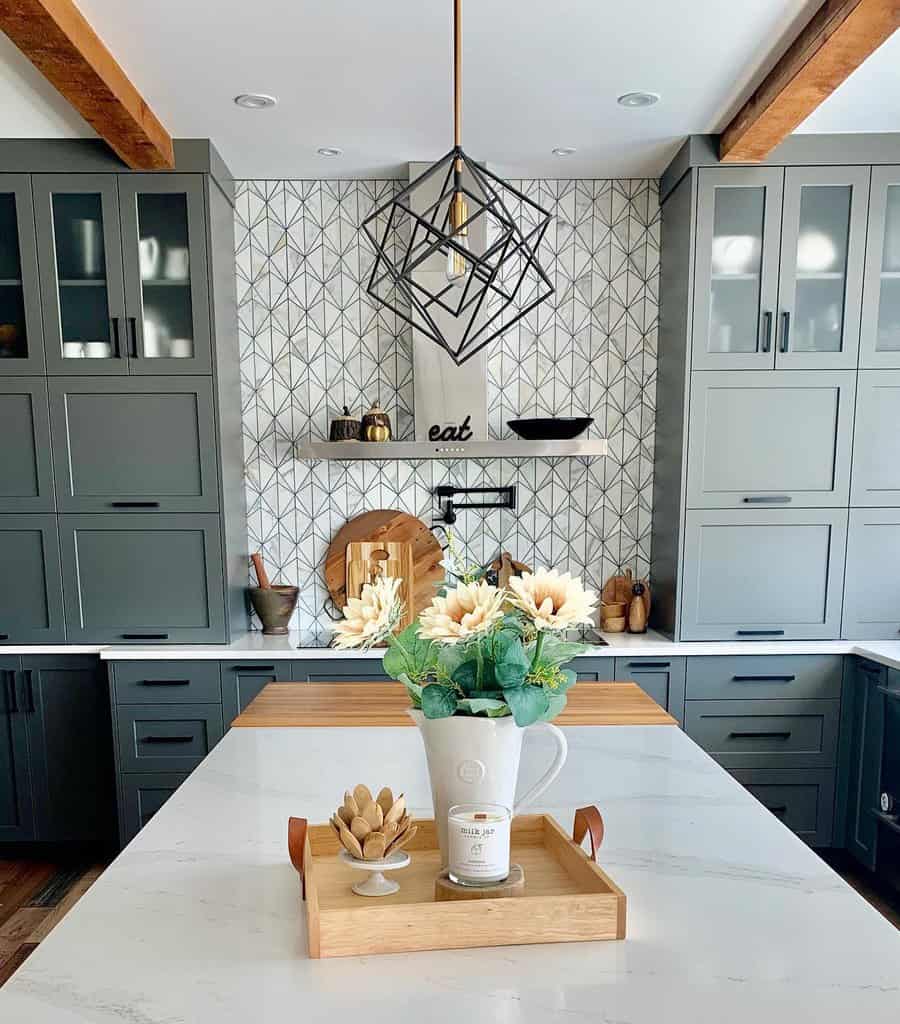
x=373 y=79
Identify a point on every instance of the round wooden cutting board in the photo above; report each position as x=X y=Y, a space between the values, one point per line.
x=383 y=525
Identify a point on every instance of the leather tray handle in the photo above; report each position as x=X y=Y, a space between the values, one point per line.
x=588 y=821
x=296 y=846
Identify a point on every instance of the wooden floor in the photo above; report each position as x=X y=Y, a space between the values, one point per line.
x=34 y=896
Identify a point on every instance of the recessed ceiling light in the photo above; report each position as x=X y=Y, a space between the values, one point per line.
x=329 y=151
x=255 y=100
x=638 y=99
x=563 y=150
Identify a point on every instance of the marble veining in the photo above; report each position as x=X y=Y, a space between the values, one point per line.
x=730 y=916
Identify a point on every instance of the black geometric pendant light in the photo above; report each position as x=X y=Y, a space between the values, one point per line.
x=428 y=224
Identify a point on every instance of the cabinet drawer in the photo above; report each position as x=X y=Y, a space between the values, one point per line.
x=764 y=675
x=594 y=670
x=803 y=800
x=338 y=670
x=166 y=738
x=763 y=575
x=166 y=682
x=142 y=796
x=242 y=681
x=765 y=733
x=760 y=439
x=660 y=678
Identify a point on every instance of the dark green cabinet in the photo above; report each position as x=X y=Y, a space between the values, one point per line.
x=866 y=748
x=31 y=607
x=662 y=678
x=26 y=480
x=338 y=670
x=151 y=578
x=135 y=444
x=242 y=681
x=16 y=804
x=141 y=796
x=66 y=711
x=21 y=335
x=801 y=798
x=166 y=737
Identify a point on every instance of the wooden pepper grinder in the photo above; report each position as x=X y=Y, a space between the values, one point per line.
x=637 y=610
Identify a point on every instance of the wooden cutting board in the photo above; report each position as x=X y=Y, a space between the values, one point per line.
x=387 y=525
x=367 y=560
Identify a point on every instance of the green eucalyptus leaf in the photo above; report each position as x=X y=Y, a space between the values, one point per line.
x=512 y=662
x=557 y=701
x=451 y=656
x=569 y=680
x=465 y=676
x=528 y=704
x=491 y=707
x=410 y=655
x=413 y=689
x=555 y=651
x=438 y=701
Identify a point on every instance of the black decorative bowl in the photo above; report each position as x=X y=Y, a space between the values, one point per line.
x=551 y=428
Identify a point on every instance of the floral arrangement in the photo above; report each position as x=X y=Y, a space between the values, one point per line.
x=478 y=649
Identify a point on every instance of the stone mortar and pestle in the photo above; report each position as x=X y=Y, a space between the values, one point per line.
x=274 y=604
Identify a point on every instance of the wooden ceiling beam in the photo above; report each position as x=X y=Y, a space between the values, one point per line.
x=838 y=38
x=55 y=36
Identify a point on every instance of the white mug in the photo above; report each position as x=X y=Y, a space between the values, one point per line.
x=97 y=350
x=181 y=348
x=73 y=350
x=148 y=257
x=177 y=264
x=153 y=339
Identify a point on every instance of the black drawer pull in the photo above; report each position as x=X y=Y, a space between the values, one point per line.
x=145 y=636
x=134 y=504
x=768 y=499
x=778 y=809
x=167 y=739
x=767 y=331
x=4 y=636
x=888 y=693
x=650 y=664
x=760 y=632
x=164 y=682
x=12 y=701
x=763 y=679
x=759 y=735
x=29 y=690
x=252 y=668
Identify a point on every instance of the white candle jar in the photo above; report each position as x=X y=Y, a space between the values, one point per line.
x=478 y=836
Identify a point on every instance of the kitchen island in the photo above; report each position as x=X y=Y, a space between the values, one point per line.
x=730 y=916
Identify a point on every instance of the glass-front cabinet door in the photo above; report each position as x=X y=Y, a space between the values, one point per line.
x=879 y=344
x=736 y=278
x=823 y=243
x=21 y=344
x=166 y=290
x=80 y=255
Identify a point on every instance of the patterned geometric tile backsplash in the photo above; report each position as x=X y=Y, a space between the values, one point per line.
x=312 y=340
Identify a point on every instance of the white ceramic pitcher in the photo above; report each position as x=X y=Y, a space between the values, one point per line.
x=476 y=760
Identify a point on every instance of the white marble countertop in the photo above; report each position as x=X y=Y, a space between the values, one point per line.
x=253 y=646
x=730 y=916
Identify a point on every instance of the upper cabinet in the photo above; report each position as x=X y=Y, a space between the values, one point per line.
x=123 y=273
x=880 y=340
x=779 y=266
x=21 y=346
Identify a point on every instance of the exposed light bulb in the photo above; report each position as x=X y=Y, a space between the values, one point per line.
x=457 y=264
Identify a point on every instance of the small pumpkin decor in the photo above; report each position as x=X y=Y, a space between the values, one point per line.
x=344 y=427
x=376 y=425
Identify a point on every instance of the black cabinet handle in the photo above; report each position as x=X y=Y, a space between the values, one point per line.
x=12 y=701
x=778 y=809
x=4 y=636
x=164 y=682
x=763 y=679
x=759 y=632
x=888 y=693
x=252 y=668
x=167 y=739
x=144 y=636
x=759 y=735
x=29 y=690
x=132 y=323
x=134 y=504
x=767 y=499
x=117 y=350
x=785 y=330
x=649 y=664
x=767 y=331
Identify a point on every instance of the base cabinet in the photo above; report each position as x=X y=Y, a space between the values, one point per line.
x=803 y=800
x=662 y=679
x=864 y=776
x=242 y=682
x=141 y=796
x=16 y=803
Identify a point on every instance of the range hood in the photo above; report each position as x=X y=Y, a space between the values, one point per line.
x=451 y=403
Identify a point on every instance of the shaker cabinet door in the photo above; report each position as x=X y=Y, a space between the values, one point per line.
x=16 y=806
x=872 y=583
x=21 y=332
x=145 y=578
x=823 y=242
x=866 y=749
x=764 y=438
x=736 y=273
x=31 y=607
x=134 y=444
x=241 y=682
x=763 y=575
x=662 y=679
x=26 y=479
x=166 y=281
x=876 y=440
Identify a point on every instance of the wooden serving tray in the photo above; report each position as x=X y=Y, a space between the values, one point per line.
x=568 y=897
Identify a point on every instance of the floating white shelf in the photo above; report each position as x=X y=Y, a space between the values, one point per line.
x=510 y=449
